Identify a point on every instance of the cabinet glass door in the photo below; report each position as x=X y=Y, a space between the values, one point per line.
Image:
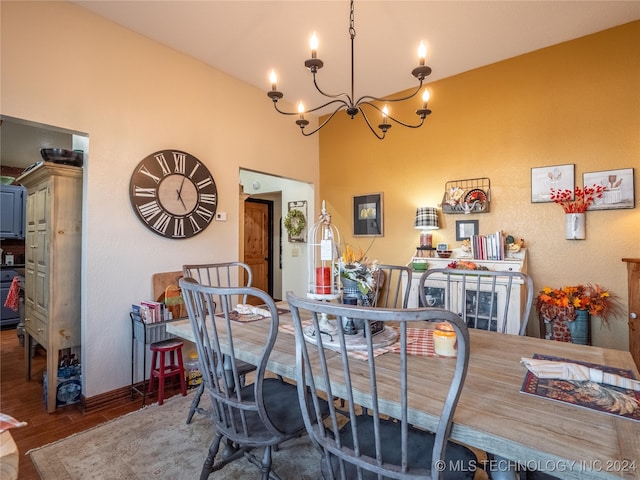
x=484 y=309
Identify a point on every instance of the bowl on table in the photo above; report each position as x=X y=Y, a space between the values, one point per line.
x=443 y=253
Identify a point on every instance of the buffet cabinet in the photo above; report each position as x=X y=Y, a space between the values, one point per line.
x=459 y=298
x=52 y=265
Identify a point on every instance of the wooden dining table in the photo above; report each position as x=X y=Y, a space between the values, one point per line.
x=493 y=415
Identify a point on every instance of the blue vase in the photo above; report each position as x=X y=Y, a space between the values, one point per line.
x=579 y=328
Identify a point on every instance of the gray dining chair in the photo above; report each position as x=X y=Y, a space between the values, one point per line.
x=486 y=301
x=487 y=304
x=382 y=444
x=392 y=290
x=263 y=414
x=226 y=274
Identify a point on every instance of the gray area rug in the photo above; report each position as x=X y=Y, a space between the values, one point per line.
x=156 y=443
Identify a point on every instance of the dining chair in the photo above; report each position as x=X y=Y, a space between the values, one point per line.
x=382 y=444
x=220 y=275
x=483 y=298
x=263 y=414
x=391 y=290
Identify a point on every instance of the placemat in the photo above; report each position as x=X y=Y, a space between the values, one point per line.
x=245 y=318
x=586 y=394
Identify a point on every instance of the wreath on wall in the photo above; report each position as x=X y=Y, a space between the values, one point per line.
x=295 y=222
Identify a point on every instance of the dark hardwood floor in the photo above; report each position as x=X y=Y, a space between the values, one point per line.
x=23 y=400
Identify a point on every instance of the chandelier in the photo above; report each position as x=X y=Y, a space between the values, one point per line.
x=347 y=102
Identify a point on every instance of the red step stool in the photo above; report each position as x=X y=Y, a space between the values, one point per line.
x=162 y=371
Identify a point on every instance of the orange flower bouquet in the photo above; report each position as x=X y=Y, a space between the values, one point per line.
x=563 y=302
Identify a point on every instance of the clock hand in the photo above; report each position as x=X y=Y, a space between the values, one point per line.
x=181 y=185
x=181 y=201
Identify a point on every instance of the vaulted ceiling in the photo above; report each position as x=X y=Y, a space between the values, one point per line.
x=246 y=39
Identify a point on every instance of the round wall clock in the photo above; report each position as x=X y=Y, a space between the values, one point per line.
x=173 y=194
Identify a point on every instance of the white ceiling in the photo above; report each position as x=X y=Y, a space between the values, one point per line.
x=247 y=39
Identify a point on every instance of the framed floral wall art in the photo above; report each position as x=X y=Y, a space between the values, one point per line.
x=367 y=215
x=618 y=188
x=543 y=179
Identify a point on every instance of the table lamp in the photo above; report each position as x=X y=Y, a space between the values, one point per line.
x=426 y=220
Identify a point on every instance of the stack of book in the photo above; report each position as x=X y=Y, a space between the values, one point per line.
x=150 y=312
x=488 y=247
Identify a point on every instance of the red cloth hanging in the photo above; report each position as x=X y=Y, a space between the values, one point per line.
x=13 y=297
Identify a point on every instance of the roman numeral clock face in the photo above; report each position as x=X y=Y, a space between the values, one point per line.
x=173 y=194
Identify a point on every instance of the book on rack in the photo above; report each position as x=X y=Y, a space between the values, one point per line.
x=488 y=247
x=152 y=312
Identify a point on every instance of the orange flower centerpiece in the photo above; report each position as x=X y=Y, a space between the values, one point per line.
x=561 y=305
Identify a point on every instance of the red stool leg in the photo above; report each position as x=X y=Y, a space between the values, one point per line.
x=154 y=357
x=161 y=377
x=183 y=383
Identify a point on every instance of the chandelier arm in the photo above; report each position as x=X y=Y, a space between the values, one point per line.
x=323 y=123
x=364 y=115
x=406 y=124
x=283 y=112
x=341 y=102
x=329 y=95
x=422 y=113
x=391 y=100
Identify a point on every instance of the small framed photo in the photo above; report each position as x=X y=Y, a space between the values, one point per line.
x=465 y=229
x=557 y=177
x=367 y=215
x=442 y=247
x=618 y=188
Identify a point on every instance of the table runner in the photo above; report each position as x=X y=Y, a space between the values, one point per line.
x=252 y=317
x=419 y=342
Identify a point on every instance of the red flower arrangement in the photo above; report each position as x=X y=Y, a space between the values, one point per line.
x=583 y=197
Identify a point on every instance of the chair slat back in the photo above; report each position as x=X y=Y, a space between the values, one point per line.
x=486 y=296
x=393 y=291
x=331 y=373
x=236 y=412
x=227 y=274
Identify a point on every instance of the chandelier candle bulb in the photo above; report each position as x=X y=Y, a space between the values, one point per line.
x=444 y=340
x=274 y=79
x=422 y=53
x=425 y=98
x=313 y=43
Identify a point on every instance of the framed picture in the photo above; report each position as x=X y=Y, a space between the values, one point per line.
x=465 y=229
x=543 y=179
x=367 y=215
x=618 y=188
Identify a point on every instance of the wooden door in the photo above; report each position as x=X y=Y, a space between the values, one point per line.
x=633 y=271
x=257 y=247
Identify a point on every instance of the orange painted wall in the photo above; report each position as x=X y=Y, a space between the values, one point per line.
x=573 y=103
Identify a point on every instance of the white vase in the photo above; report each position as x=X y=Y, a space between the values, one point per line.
x=575 y=226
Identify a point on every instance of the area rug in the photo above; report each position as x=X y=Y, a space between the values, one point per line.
x=156 y=443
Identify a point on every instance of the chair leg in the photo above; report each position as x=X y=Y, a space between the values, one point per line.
x=266 y=463
x=195 y=402
x=207 y=468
